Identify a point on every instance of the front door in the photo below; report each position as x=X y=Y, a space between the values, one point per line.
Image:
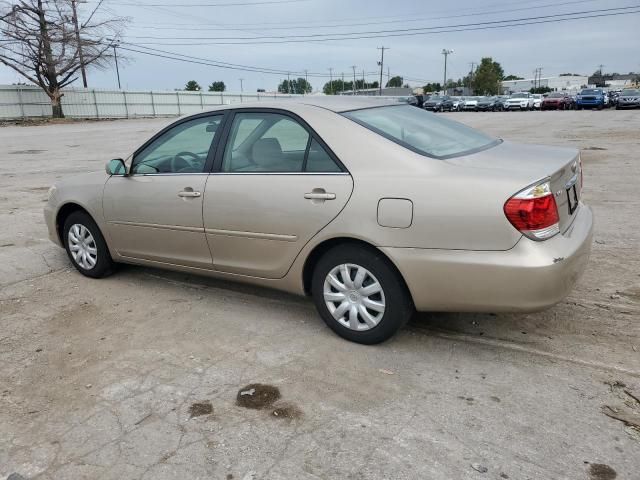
x=277 y=186
x=155 y=213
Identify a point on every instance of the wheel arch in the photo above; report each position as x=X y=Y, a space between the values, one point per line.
x=326 y=245
x=62 y=215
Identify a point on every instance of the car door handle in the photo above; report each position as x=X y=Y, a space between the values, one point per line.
x=320 y=196
x=189 y=194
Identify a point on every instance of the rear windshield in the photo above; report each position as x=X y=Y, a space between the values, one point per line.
x=421 y=131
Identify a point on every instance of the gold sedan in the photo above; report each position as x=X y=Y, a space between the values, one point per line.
x=374 y=209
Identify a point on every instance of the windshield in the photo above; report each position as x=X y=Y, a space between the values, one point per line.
x=421 y=131
x=435 y=99
x=519 y=95
x=630 y=93
x=556 y=95
x=591 y=91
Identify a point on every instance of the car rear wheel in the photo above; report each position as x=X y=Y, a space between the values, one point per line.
x=86 y=246
x=359 y=294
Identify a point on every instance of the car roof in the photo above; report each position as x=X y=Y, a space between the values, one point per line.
x=336 y=103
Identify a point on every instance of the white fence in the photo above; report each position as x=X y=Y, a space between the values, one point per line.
x=20 y=101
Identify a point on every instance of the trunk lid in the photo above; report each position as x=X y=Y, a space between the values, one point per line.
x=532 y=163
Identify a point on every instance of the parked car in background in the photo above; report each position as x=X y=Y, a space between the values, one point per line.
x=488 y=104
x=519 y=101
x=557 y=101
x=364 y=205
x=629 y=98
x=470 y=103
x=591 y=98
x=537 y=100
x=457 y=103
x=439 y=103
x=501 y=99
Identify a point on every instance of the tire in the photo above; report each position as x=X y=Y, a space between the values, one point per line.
x=80 y=225
x=578 y=107
x=600 y=107
x=393 y=294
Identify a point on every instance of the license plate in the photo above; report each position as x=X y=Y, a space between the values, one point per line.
x=572 y=196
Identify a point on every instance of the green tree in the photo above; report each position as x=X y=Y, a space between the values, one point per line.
x=512 y=77
x=192 y=86
x=395 y=82
x=217 y=87
x=541 y=90
x=336 y=87
x=488 y=77
x=297 y=86
x=432 y=87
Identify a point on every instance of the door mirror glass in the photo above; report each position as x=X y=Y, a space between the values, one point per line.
x=116 y=167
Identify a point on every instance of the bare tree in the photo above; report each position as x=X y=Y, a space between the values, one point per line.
x=43 y=41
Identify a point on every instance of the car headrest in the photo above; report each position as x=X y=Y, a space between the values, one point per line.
x=267 y=151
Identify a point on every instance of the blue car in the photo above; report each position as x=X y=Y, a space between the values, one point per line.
x=590 y=98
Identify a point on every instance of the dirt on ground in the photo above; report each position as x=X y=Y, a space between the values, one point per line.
x=138 y=376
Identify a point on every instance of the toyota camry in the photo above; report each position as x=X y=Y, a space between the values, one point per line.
x=373 y=209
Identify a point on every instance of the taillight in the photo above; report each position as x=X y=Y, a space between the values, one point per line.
x=534 y=212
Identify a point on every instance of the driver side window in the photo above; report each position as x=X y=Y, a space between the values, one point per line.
x=182 y=149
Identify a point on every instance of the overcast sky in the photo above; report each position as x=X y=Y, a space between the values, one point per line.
x=577 y=46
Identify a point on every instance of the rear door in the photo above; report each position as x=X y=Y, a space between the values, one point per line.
x=275 y=185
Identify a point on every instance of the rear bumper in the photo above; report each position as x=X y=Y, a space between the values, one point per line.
x=531 y=276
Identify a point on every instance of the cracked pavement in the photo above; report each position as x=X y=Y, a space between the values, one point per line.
x=97 y=377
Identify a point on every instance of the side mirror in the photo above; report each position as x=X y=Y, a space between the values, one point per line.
x=116 y=167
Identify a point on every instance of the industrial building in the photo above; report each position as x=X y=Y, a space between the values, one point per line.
x=568 y=83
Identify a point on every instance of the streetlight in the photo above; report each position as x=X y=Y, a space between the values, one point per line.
x=446 y=53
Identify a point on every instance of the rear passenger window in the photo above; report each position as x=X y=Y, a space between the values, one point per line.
x=318 y=160
x=273 y=143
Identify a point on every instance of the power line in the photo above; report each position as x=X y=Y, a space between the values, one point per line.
x=233 y=4
x=375 y=32
x=306 y=26
x=399 y=32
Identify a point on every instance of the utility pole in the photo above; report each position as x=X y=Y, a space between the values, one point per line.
x=353 y=90
x=241 y=85
x=364 y=83
x=342 y=86
x=289 y=83
x=331 y=80
x=306 y=79
x=473 y=64
x=115 y=56
x=76 y=27
x=446 y=53
x=381 y=63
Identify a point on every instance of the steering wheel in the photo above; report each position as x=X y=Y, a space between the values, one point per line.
x=179 y=162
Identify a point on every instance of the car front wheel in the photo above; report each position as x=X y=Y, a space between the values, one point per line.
x=86 y=246
x=359 y=294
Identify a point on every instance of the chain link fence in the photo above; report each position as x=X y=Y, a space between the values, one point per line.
x=23 y=102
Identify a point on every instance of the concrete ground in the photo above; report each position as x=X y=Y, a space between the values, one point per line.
x=136 y=376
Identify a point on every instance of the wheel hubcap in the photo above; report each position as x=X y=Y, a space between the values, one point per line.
x=82 y=246
x=354 y=297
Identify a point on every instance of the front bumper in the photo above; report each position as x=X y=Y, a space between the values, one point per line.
x=50 y=220
x=531 y=276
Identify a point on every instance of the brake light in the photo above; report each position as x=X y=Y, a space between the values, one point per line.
x=534 y=212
